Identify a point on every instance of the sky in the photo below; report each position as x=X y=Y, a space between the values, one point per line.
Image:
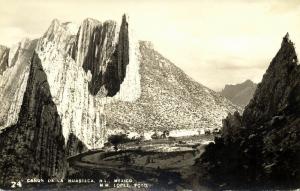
x=214 y=42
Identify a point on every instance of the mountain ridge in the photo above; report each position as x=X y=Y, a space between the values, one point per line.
x=240 y=94
x=262 y=145
x=95 y=83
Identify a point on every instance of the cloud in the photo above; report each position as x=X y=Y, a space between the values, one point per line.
x=286 y=6
x=11 y=35
x=216 y=42
x=238 y=63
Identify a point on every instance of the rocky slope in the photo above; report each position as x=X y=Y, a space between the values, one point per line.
x=67 y=91
x=48 y=110
x=34 y=147
x=260 y=149
x=239 y=94
x=169 y=100
x=13 y=81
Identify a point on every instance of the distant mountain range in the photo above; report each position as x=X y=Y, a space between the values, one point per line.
x=239 y=94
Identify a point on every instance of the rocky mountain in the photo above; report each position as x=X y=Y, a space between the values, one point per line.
x=239 y=94
x=67 y=91
x=260 y=149
x=169 y=99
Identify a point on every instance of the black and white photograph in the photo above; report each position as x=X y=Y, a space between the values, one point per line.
x=150 y=95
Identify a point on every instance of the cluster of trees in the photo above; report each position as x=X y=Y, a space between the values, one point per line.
x=118 y=139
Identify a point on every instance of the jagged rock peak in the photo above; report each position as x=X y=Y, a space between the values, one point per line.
x=231 y=126
x=61 y=35
x=287 y=46
x=272 y=94
x=55 y=24
x=287 y=39
x=103 y=50
x=91 y=21
x=16 y=49
x=69 y=27
x=125 y=19
x=14 y=79
x=267 y=133
x=147 y=44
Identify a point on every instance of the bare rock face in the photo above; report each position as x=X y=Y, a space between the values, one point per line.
x=272 y=95
x=231 y=126
x=104 y=53
x=65 y=92
x=92 y=40
x=3 y=58
x=34 y=147
x=79 y=112
x=123 y=49
x=240 y=94
x=169 y=100
x=13 y=81
x=48 y=111
x=260 y=150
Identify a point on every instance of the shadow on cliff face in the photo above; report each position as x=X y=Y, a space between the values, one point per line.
x=35 y=146
x=110 y=74
x=75 y=146
x=260 y=149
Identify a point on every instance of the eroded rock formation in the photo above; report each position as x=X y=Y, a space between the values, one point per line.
x=273 y=94
x=3 y=58
x=47 y=110
x=65 y=92
x=13 y=81
x=261 y=150
x=102 y=52
x=34 y=147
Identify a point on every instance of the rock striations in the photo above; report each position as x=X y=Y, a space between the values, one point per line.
x=4 y=51
x=67 y=91
x=102 y=52
x=34 y=147
x=239 y=94
x=260 y=149
x=13 y=81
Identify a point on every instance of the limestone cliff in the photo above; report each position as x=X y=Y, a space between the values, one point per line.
x=34 y=147
x=67 y=91
x=48 y=111
x=13 y=81
x=3 y=58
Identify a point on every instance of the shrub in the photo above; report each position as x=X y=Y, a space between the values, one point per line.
x=118 y=139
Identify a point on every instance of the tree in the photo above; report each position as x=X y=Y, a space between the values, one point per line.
x=118 y=139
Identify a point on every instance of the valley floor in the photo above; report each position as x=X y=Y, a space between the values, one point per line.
x=146 y=165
